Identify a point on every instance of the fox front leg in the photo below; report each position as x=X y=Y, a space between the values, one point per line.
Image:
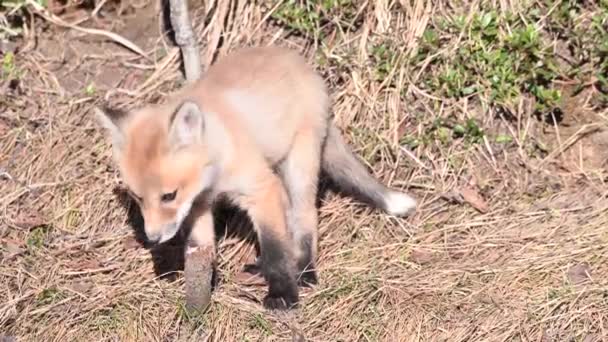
x=200 y=263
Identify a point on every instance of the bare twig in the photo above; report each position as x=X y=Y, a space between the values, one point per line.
x=184 y=37
x=582 y=132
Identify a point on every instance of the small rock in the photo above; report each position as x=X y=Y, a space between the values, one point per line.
x=7 y=46
x=131 y=243
x=432 y=237
x=472 y=197
x=3 y=173
x=592 y=338
x=81 y=287
x=421 y=256
x=297 y=336
x=546 y=337
x=12 y=248
x=579 y=273
x=87 y=264
x=30 y=220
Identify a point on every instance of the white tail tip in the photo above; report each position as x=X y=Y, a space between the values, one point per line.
x=399 y=204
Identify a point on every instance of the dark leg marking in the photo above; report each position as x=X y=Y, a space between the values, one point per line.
x=276 y=268
x=306 y=265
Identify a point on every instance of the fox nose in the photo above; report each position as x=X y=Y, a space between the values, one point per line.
x=153 y=238
x=158 y=236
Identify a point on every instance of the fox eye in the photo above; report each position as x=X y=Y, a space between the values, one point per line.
x=168 y=197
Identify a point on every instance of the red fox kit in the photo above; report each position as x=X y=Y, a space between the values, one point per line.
x=256 y=128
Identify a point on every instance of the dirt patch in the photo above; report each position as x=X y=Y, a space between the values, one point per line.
x=84 y=63
x=580 y=140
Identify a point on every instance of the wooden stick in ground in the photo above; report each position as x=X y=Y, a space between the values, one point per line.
x=198 y=268
x=198 y=272
x=184 y=37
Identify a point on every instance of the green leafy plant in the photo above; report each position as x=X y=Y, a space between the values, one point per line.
x=8 y=65
x=384 y=58
x=470 y=130
x=12 y=17
x=49 y=295
x=501 y=58
x=36 y=238
x=309 y=17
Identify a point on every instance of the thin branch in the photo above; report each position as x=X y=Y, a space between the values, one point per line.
x=184 y=37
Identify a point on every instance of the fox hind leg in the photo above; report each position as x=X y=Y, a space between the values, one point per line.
x=265 y=207
x=300 y=174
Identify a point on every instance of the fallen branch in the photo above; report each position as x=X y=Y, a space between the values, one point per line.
x=184 y=37
x=198 y=268
x=198 y=276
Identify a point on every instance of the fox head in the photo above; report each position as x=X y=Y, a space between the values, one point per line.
x=161 y=154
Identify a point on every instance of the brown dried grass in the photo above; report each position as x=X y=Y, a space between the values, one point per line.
x=71 y=268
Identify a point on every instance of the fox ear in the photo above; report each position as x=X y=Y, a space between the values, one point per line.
x=187 y=125
x=112 y=120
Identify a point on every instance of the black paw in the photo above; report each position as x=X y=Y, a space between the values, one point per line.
x=279 y=273
x=282 y=293
x=280 y=303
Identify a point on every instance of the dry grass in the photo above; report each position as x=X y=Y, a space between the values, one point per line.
x=508 y=245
